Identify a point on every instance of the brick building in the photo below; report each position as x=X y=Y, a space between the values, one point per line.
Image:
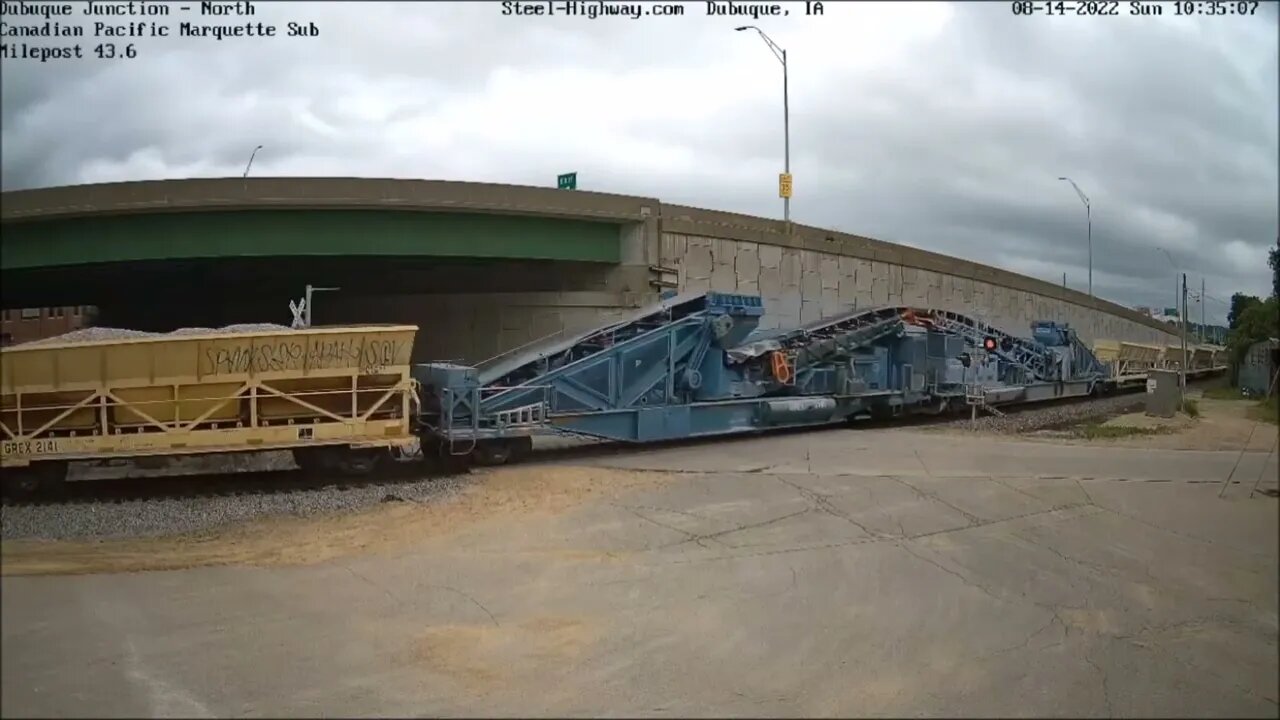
x=24 y=325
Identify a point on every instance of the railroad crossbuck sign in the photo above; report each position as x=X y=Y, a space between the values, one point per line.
x=298 y=308
x=784 y=185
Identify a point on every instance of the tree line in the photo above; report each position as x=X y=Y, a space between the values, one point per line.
x=1253 y=319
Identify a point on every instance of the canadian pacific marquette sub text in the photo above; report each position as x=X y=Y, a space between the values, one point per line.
x=19 y=17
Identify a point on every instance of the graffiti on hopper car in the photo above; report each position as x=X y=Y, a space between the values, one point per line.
x=367 y=356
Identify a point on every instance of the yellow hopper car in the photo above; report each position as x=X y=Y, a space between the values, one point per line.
x=338 y=397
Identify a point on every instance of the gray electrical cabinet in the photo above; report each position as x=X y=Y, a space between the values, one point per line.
x=1163 y=393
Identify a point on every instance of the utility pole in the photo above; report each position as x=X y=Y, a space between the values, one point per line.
x=306 y=299
x=1203 y=330
x=1183 y=369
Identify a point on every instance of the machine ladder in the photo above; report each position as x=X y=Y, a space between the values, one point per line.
x=975 y=396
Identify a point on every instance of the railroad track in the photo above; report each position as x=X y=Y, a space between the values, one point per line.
x=283 y=482
x=223 y=484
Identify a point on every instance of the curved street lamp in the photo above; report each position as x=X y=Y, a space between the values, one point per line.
x=1088 y=212
x=251 y=157
x=781 y=54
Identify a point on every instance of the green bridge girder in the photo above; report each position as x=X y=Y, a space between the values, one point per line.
x=69 y=241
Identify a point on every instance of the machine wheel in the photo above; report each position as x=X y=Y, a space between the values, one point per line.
x=520 y=447
x=493 y=452
x=501 y=452
x=437 y=452
x=882 y=412
x=42 y=478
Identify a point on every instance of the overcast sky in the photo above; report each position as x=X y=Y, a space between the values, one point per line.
x=943 y=126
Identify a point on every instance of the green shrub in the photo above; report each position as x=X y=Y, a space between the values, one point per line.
x=1267 y=411
x=1191 y=407
x=1097 y=431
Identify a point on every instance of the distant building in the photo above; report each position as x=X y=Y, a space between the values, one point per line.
x=1257 y=370
x=27 y=324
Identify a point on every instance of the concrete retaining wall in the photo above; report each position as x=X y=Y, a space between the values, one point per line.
x=815 y=273
x=808 y=276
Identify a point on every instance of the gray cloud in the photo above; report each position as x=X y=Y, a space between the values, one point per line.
x=940 y=126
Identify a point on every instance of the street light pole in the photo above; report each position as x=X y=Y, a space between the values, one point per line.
x=1203 y=331
x=1174 y=265
x=1088 y=213
x=250 y=163
x=781 y=54
x=786 y=141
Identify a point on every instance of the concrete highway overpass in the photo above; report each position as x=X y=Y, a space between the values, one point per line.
x=481 y=268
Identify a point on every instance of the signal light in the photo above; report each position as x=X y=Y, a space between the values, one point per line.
x=1006 y=344
x=989 y=344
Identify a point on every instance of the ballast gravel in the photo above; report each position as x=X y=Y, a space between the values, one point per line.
x=183 y=515
x=1048 y=417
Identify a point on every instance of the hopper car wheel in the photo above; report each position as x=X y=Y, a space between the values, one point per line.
x=42 y=478
x=344 y=461
x=358 y=463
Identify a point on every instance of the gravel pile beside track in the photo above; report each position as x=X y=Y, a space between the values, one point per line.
x=1053 y=416
x=180 y=515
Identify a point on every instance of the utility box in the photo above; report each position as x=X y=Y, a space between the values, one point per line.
x=1163 y=393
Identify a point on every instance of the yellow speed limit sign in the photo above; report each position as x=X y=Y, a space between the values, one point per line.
x=784 y=185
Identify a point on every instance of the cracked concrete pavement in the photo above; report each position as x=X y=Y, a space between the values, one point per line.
x=834 y=573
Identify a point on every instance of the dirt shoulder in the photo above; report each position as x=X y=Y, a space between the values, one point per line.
x=1221 y=425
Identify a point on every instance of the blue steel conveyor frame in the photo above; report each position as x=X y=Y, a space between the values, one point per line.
x=697 y=365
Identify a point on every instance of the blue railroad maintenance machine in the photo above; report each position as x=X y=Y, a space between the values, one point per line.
x=697 y=365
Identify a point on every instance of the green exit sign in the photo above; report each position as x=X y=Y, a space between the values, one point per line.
x=567 y=181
